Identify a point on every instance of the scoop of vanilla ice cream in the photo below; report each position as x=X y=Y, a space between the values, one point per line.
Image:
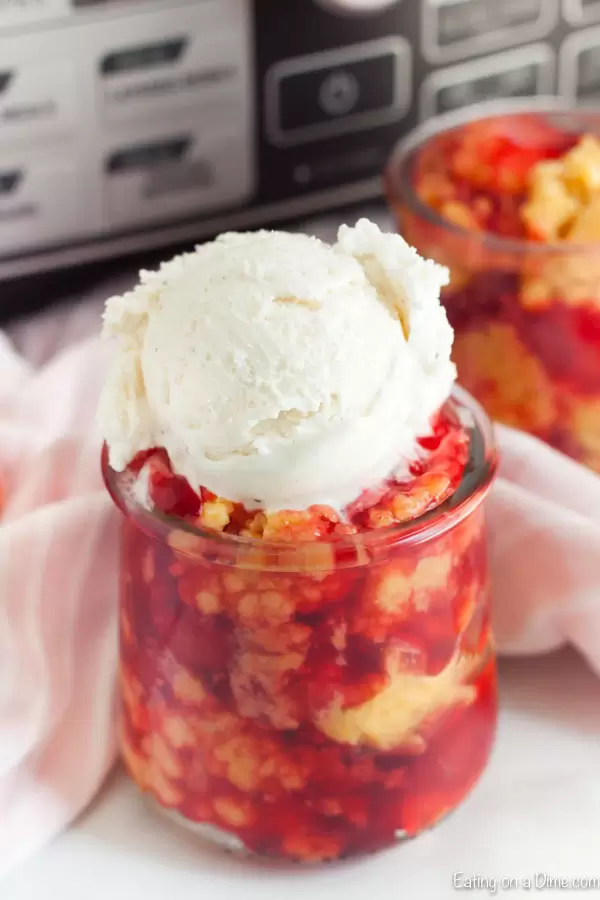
x=280 y=371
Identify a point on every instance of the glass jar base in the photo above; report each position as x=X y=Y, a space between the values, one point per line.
x=217 y=839
x=208 y=834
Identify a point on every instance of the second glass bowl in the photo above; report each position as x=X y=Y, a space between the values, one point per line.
x=526 y=315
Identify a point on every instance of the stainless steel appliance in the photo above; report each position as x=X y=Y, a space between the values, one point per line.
x=130 y=124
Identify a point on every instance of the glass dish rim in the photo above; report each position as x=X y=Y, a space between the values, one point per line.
x=471 y=492
x=398 y=187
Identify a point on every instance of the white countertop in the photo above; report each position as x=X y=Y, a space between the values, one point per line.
x=537 y=810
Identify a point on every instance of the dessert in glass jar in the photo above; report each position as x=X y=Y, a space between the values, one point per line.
x=508 y=197
x=307 y=668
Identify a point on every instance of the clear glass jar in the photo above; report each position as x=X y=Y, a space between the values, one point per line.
x=526 y=314
x=311 y=701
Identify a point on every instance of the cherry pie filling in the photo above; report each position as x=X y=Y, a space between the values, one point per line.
x=526 y=315
x=314 y=711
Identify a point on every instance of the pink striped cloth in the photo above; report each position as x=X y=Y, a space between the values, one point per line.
x=57 y=598
x=58 y=573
